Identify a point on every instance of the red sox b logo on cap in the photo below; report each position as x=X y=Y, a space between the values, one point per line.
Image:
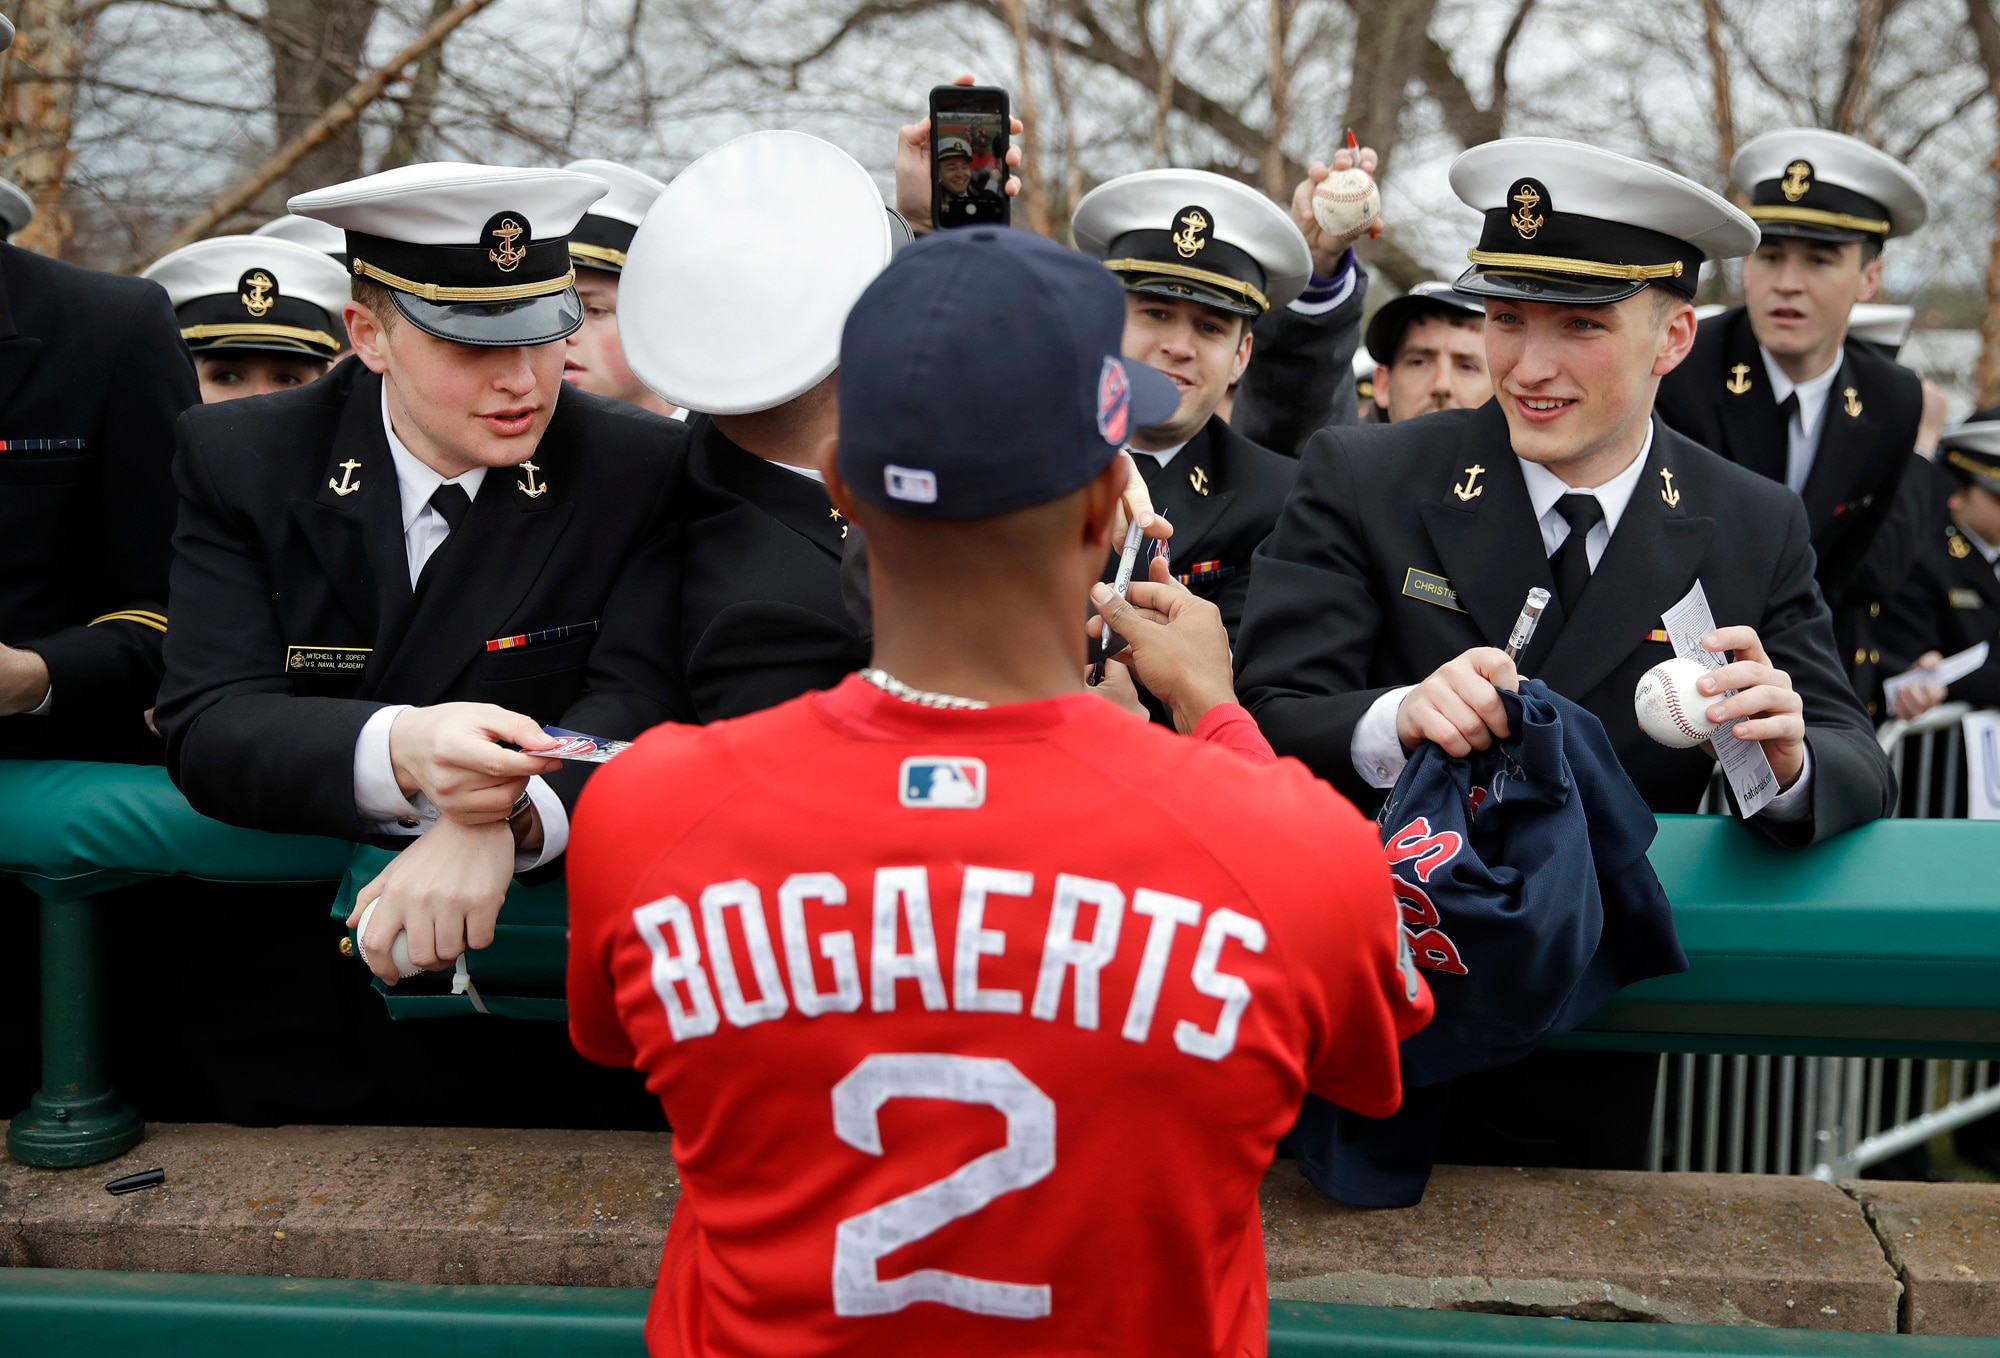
x=1114 y=403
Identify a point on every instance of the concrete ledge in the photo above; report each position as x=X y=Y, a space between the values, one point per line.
x=391 y=1204
x=1944 y=1241
x=1710 y=1249
x=559 y=1208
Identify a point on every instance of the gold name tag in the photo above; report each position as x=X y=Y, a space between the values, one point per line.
x=1432 y=589
x=349 y=660
x=1965 y=598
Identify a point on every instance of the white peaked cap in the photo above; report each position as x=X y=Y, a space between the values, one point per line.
x=740 y=279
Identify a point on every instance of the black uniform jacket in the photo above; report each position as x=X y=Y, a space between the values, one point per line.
x=1222 y=493
x=1301 y=374
x=1948 y=600
x=759 y=618
x=1721 y=398
x=295 y=620
x=1380 y=571
x=92 y=376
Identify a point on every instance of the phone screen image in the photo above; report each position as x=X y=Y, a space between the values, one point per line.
x=969 y=169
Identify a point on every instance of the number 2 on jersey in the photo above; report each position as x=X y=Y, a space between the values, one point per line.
x=1030 y=1153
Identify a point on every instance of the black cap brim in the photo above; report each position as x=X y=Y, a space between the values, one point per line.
x=1193 y=290
x=1837 y=235
x=278 y=348
x=1518 y=285
x=533 y=320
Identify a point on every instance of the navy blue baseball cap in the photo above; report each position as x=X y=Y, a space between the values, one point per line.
x=981 y=373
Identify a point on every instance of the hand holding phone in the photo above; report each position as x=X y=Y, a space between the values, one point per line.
x=970 y=134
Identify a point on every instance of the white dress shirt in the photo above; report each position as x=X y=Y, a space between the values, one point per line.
x=1802 y=434
x=1377 y=751
x=1163 y=456
x=377 y=798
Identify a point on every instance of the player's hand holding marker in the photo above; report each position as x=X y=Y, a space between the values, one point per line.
x=1175 y=643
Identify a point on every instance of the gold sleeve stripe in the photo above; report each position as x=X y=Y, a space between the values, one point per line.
x=1586 y=268
x=250 y=330
x=432 y=292
x=602 y=254
x=156 y=621
x=1812 y=216
x=1165 y=270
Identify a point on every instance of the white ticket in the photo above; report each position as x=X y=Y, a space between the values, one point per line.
x=1950 y=670
x=1750 y=774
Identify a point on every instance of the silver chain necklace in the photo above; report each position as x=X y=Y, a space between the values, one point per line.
x=896 y=688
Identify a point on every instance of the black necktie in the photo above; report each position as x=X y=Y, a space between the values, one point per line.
x=452 y=504
x=1789 y=409
x=1571 y=561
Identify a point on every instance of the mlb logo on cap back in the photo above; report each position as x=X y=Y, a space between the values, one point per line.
x=949 y=782
x=910 y=485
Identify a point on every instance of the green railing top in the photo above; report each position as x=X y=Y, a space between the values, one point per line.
x=1885 y=941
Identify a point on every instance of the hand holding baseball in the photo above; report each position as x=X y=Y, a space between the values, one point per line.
x=1765 y=708
x=1350 y=223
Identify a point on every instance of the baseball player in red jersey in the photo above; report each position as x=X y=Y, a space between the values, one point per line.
x=973 y=1040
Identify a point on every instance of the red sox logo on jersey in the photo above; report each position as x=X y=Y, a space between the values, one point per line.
x=1418 y=850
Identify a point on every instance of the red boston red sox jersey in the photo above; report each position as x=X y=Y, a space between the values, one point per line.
x=976 y=1029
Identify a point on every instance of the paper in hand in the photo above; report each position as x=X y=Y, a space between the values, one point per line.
x=1949 y=671
x=581 y=748
x=1749 y=772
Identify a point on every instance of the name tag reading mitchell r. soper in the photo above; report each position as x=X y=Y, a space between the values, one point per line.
x=1432 y=589
x=347 y=660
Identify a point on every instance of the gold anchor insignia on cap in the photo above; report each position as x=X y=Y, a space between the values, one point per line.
x=528 y=487
x=1525 y=221
x=1192 y=239
x=346 y=485
x=256 y=297
x=1850 y=401
x=1739 y=380
x=1466 y=490
x=1198 y=478
x=1667 y=491
x=1797 y=181
x=509 y=255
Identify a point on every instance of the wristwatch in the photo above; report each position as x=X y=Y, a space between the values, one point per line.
x=521 y=804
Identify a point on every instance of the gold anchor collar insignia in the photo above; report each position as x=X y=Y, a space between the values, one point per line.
x=1530 y=194
x=512 y=236
x=528 y=487
x=1739 y=379
x=1198 y=478
x=1797 y=182
x=1668 y=494
x=1850 y=401
x=1468 y=489
x=346 y=485
x=1192 y=238
x=1956 y=544
x=258 y=292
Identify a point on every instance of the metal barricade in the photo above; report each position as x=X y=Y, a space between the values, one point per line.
x=1827 y=1116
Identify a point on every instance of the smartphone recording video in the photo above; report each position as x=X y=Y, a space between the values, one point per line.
x=969 y=156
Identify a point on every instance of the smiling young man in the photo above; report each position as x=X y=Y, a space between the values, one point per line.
x=593 y=356
x=435 y=549
x=1773 y=384
x=1430 y=353
x=1201 y=258
x=1379 y=607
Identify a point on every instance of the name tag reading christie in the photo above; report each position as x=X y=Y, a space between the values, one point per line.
x=1432 y=589
x=345 y=660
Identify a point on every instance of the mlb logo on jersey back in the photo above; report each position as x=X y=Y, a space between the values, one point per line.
x=942 y=781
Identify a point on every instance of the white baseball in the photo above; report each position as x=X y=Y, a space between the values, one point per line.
x=1671 y=710
x=1346 y=201
x=399 y=951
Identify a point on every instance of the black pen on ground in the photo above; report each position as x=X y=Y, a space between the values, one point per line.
x=132 y=1183
x=1524 y=626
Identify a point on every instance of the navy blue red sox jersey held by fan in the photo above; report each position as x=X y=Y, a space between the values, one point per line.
x=1525 y=892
